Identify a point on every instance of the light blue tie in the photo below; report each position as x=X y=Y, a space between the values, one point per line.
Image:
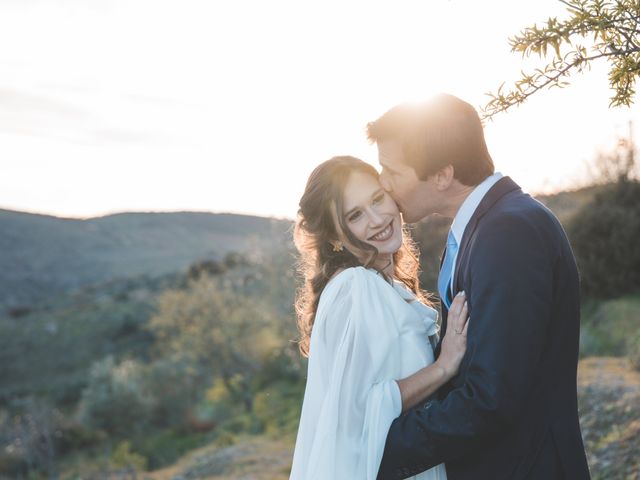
x=444 y=278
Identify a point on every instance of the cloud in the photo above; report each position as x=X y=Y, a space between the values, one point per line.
x=115 y=135
x=24 y=103
x=45 y=116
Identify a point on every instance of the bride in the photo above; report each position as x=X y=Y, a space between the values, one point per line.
x=364 y=324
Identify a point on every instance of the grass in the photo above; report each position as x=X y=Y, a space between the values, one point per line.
x=609 y=327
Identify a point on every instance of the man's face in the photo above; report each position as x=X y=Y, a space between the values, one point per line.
x=416 y=198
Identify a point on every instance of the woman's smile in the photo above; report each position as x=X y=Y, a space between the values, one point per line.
x=384 y=234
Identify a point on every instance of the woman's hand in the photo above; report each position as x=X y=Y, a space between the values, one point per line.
x=454 y=343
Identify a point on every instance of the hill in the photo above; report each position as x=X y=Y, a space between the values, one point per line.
x=42 y=256
x=566 y=204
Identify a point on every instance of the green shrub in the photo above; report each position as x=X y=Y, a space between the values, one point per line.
x=242 y=423
x=633 y=350
x=30 y=438
x=165 y=448
x=115 y=400
x=173 y=387
x=604 y=235
x=225 y=439
x=123 y=457
x=12 y=465
x=74 y=436
x=610 y=327
x=278 y=407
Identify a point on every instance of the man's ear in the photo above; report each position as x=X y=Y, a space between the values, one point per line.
x=444 y=178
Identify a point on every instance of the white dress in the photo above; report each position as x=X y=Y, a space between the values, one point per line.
x=365 y=336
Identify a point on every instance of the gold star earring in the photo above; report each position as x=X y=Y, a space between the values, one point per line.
x=337 y=246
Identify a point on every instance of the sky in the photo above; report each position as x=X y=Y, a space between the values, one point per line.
x=226 y=106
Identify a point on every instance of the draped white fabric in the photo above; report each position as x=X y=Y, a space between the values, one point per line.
x=367 y=333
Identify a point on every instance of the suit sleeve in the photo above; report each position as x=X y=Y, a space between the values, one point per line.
x=510 y=289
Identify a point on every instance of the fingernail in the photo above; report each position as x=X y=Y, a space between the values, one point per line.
x=461 y=293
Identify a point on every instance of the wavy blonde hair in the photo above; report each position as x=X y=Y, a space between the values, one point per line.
x=320 y=222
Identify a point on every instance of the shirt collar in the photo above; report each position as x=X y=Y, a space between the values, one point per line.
x=468 y=207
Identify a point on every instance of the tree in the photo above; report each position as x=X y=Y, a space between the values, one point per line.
x=604 y=236
x=219 y=332
x=604 y=232
x=615 y=27
x=115 y=400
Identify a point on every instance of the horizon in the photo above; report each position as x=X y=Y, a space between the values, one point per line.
x=238 y=213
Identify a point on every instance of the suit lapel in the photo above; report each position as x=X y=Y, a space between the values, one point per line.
x=495 y=193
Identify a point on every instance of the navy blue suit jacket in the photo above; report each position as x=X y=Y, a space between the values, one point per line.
x=511 y=412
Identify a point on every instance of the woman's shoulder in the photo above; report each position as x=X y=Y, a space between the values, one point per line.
x=351 y=277
x=359 y=284
x=354 y=296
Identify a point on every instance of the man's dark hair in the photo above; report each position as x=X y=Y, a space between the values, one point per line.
x=442 y=131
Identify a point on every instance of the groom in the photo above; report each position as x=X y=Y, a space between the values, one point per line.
x=511 y=413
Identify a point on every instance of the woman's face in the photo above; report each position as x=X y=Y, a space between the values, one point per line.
x=371 y=214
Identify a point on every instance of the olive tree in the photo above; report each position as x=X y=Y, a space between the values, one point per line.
x=594 y=30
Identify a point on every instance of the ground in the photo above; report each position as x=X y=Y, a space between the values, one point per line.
x=609 y=394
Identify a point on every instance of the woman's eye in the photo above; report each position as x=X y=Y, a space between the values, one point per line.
x=378 y=198
x=354 y=216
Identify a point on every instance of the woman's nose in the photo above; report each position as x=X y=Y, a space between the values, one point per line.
x=375 y=219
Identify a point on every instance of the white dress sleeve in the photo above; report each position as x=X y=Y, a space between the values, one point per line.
x=350 y=398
